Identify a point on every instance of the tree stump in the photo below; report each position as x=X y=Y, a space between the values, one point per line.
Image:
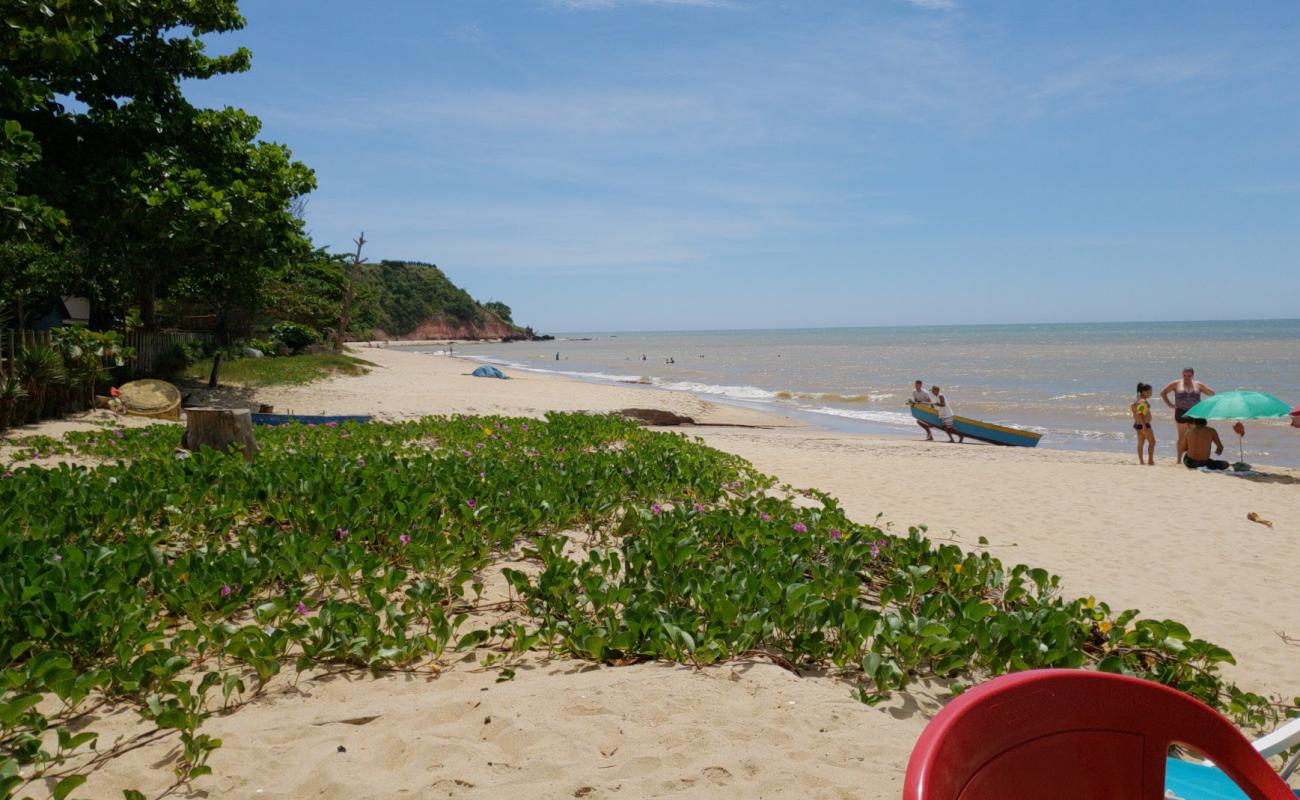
x=220 y=429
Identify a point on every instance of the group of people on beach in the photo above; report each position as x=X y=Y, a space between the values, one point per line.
x=942 y=407
x=1195 y=437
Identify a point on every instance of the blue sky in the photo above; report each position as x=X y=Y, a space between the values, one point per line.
x=681 y=164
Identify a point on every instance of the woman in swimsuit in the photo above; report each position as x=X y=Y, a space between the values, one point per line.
x=1187 y=392
x=1141 y=411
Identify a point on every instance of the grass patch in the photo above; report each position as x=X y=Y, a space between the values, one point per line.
x=282 y=370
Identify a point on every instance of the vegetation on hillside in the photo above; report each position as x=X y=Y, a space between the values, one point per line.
x=184 y=585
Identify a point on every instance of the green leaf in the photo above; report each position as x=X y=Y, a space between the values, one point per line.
x=64 y=787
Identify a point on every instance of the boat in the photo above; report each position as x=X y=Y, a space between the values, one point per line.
x=974 y=429
x=306 y=419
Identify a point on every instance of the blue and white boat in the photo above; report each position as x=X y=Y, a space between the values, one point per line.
x=305 y=419
x=974 y=429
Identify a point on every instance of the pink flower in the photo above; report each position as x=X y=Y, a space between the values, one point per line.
x=524 y=426
x=656 y=508
x=332 y=424
x=343 y=533
x=627 y=470
x=471 y=502
x=698 y=508
x=225 y=591
x=835 y=533
x=466 y=453
x=478 y=445
x=799 y=527
x=302 y=607
x=57 y=558
x=405 y=538
x=361 y=462
x=875 y=549
x=765 y=517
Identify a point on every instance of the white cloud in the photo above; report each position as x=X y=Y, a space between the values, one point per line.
x=934 y=5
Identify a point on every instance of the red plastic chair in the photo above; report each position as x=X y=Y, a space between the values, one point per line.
x=1074 y=735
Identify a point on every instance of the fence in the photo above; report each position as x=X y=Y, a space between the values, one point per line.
x=150 y=348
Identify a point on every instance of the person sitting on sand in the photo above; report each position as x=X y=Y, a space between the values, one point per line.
x=1199 y=439
x=1187 y=392
x=1141 y=411
x=947 y=417
x=919 y=397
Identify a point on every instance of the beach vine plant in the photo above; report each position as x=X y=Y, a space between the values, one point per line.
x=182 y=584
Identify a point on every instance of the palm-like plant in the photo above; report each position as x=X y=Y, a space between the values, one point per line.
x=11 y=394
x=40 y=368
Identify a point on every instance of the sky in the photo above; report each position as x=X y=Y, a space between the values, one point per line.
x=703 y=164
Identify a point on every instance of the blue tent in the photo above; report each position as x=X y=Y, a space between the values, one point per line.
x=489 y=371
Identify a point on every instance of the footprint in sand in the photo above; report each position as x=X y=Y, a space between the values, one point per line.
x=718 y=775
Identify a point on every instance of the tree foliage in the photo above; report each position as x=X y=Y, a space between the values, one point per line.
x=411 y=292
x=162 y=197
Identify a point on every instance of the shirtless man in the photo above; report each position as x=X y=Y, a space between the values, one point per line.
x=1187 y=392
x=1199 y=440
x=919 y=396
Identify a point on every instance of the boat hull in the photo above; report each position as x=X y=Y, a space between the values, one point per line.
x=305 y=419
x=982 y=431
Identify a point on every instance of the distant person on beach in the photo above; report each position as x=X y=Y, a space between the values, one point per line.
x=1199 y=439
x=920 y=397
x=1187 y=392
x=557 y=355
x=1140 y=408
x=947 y=417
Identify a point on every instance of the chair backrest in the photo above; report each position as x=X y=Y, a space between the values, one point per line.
x=1074 y=735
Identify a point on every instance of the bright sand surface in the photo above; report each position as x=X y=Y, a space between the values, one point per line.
x=1172 y=542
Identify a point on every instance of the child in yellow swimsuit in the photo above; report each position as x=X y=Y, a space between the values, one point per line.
x=1140 y=408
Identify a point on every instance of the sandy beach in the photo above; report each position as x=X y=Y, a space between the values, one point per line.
x=1172 y=542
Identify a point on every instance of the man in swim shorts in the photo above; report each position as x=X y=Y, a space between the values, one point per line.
x=1187 y=392
x=920 y=397
x=1199 y=439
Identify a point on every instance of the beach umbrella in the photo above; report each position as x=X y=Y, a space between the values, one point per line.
x=1239 y=405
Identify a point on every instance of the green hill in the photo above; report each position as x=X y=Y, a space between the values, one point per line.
x=415 y=300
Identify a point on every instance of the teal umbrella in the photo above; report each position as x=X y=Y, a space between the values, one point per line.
x=1239 y=405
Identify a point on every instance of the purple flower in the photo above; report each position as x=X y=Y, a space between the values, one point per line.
x=735 y=484
x=478 y=445
x=799 y=527
x=482 y=475
x=343 y=533
x=471 y=502
x=303 y=607
x=524 y=426
x=875 y=549
x=332 y=424
x=835 y=533
x=698 y=508
x=361 y=462
x=627 y=470
x=466 y=453
x=656 y=508
x=405 y=538
x=117 y=433
x=225 y=591
x=765 y=517
x=57 y=558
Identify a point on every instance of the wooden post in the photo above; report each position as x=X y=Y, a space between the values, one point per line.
x=220 y=428
x=346 y=316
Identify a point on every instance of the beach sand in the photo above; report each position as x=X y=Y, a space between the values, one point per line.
x=1172 y=542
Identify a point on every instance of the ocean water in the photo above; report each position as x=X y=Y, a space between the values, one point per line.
x=1070 y=382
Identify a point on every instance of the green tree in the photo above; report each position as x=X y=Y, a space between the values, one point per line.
x=500 y=309
x=162 y=197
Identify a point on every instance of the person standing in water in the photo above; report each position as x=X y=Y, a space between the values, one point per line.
x=1187 y=392
x=1140 y=408
x=947 y=417
x=919 y=397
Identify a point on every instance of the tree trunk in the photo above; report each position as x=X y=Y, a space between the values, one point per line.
x=220 y=429
x=345 y=316
x=146 y=298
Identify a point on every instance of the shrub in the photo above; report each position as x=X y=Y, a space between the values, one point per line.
x=11 y=395
x=294 y=336
x=40 y=367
